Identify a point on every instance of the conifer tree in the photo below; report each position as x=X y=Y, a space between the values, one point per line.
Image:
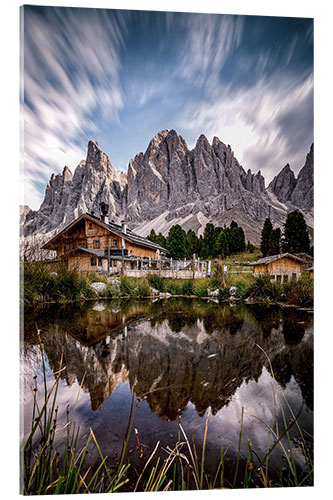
x=176 y=242
x=296 y=235
x=266 y=236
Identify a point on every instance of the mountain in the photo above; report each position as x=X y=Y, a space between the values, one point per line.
x=67 y=196
x=170 y=184
x=298 y=192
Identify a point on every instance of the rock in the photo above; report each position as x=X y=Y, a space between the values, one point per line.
x=54 y=274
x=283 y=184
x=98 y=287
x=165 y=295
x=195 y=186
x=232 y=291
x=153 y=291
x=298 y=193
x=302 y=195
x=213 y=293
x=99 y=306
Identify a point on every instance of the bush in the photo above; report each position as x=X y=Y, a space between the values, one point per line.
x=242 y=290
x=299 y=292
x=218 y=278
x=264 y=288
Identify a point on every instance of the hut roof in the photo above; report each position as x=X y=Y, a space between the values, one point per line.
x=129 y=235
x=272 y=258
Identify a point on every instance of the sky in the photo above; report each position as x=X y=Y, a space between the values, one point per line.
x=120 y=76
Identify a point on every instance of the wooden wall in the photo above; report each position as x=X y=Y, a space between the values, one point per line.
x=85 y=234
x=282 y=267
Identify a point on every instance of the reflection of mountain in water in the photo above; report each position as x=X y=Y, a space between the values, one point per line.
x=179 y=351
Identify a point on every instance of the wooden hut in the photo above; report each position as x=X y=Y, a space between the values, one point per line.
x=281 y=268
x=93 y=244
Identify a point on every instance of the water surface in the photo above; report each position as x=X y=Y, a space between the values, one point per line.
x=182 y=357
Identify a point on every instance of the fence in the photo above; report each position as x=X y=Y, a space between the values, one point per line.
x=166 y=273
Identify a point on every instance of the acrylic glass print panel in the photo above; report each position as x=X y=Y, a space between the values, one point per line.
x=166 y=251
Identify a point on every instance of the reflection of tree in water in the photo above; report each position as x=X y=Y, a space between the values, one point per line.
x=267 y=317
x=234 y=319
x=200 y=365
x=293 y=326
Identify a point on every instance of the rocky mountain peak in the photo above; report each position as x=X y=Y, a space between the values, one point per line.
x=202 y=143
x=302 y=195
x=171 y=184
x=283 y=184
x=67 y=174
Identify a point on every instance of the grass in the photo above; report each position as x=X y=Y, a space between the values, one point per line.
x=47 y=472
x=60 y=285
x=63 y=285
x=44 y=470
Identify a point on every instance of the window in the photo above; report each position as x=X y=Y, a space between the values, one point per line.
x=272 y=277
x=96 y=243
x=285 y=278
x=115 y=243
x=93 y=261
x=90 y=226
x=293 y=276
x=278 y=278
x=99 y=261
x=79 y=245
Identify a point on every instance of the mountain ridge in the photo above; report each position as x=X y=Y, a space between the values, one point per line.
x=169 y=183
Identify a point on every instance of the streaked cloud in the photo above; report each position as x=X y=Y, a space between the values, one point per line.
x=71 y=71
x=121 y=76
x=267 y=125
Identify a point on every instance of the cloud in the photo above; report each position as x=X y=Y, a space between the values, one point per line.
x=267 y=124
x=71 y=72
x=210 y=40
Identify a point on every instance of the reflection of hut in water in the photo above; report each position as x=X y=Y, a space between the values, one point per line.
x=204 y=367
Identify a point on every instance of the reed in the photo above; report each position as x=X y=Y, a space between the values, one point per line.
x=44 y=472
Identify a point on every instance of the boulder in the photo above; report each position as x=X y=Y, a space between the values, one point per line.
x=99 y=306
x=98 y=287
x=232 y=291
x=213 y=293
x=153 y=291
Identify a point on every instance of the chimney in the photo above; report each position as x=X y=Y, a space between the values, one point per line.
x=123 y=227
x=104 y=212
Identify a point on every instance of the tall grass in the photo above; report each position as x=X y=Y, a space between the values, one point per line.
x=41 y=285
x=44 y=471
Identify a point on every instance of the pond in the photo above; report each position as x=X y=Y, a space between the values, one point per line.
x=186 y=359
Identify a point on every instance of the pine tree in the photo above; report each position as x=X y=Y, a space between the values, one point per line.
x=191 y=244
x=152 y=236
x=275 y=242
x=266 y=237
x=222 y=245
x=176 y=242
x=296 y=235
